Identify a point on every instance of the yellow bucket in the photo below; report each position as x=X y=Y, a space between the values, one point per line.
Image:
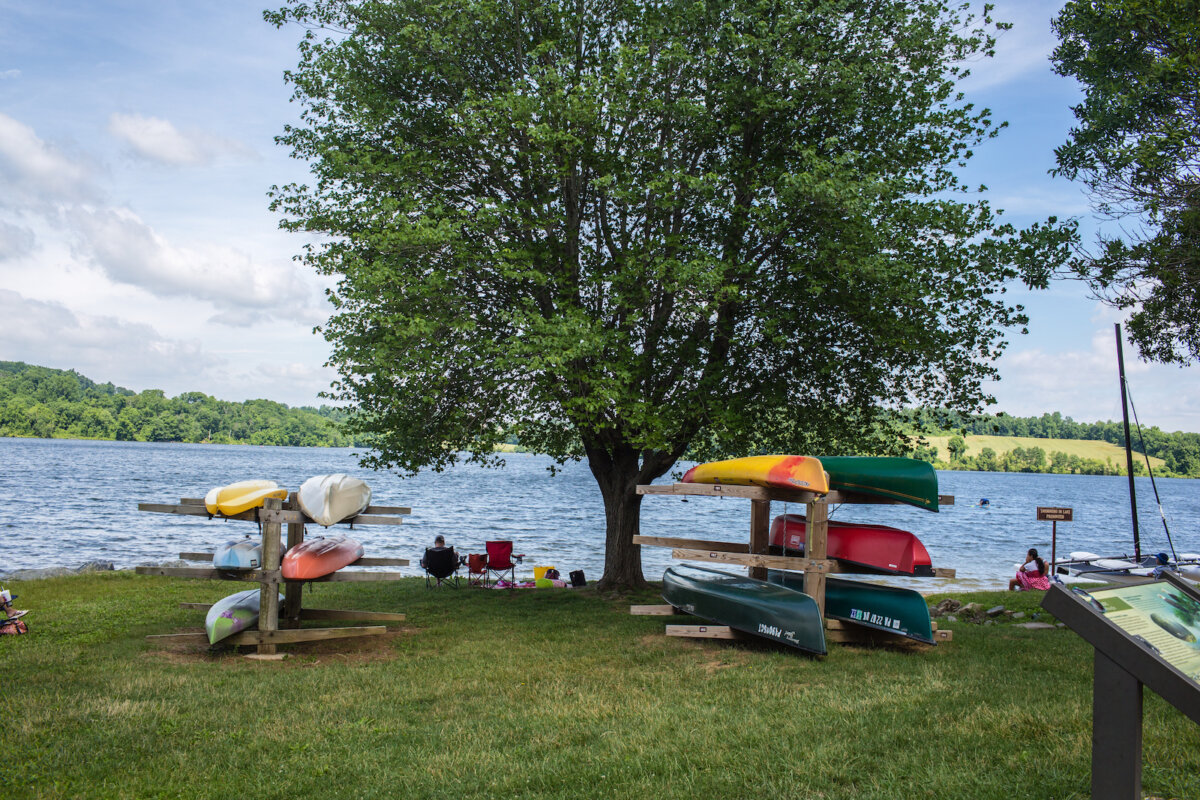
x=540 y=572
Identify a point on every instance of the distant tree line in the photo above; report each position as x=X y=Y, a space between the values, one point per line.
x=52 y=403
x=1179 y=451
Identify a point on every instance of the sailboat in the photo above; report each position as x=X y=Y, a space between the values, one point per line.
x=1124 y=568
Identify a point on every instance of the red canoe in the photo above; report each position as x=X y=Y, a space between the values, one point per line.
x=320 y=556
x=872 y=548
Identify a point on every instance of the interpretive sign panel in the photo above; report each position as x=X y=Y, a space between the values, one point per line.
x=1160 y=615
x=1054 y=514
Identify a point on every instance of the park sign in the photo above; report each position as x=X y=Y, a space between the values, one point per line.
x=1054 y=514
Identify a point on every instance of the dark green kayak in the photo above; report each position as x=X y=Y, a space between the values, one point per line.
x=884 y=608
x=783 y=614
x=905 y=480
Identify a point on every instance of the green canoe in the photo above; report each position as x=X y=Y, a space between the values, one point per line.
x=905 y=480
x=783 y=614
x=884 y=608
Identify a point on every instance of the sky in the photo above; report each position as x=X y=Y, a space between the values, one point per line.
x=136 y=243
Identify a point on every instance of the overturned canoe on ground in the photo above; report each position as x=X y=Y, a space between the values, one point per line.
x=904 y=480
x=780 y=613
x=883 y=608
x=777 y=472
x=865 y=547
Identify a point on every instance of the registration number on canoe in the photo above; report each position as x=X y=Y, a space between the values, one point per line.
x=867 y=617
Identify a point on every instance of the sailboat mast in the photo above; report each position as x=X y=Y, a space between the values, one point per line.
x=1137 y=544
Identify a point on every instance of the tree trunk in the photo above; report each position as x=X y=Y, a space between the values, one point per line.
x=618 y=473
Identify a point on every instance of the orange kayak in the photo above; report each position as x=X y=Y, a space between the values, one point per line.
x=780 y=472
x=318 y=557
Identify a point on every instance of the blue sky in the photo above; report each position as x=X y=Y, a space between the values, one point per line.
x=137 y=147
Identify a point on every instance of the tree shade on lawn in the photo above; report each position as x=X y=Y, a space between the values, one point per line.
x=624 y=229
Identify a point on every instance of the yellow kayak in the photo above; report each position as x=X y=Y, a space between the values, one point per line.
x=780 y=472
x=241 y=496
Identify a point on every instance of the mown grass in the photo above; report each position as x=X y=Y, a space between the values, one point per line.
x=1084 y=448
x=539 y=694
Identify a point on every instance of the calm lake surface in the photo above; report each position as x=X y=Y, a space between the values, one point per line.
x=67 y=502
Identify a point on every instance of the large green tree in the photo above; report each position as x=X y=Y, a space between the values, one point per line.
x=626 y=227
x=1137 y=149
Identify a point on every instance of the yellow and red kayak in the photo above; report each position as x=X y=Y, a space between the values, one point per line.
x=242 y=496
x=779 y=472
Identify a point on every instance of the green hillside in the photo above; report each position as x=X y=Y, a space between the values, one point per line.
x=62 y=404
x=1086 y=450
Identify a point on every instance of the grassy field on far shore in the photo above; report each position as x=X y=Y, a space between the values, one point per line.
x=1084 y=448
x=539 y=694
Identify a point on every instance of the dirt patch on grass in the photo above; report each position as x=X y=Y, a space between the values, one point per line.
x=360 y=649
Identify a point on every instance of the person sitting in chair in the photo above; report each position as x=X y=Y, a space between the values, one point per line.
x=439 y=544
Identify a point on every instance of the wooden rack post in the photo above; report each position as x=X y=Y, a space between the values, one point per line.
x=815 y=547
x=268 y=600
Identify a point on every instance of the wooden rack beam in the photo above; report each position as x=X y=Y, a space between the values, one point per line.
x=272 y=638
x=323 y=613
x=687 y=544
x=362 y=562
x=754 y=560
x=704 y=631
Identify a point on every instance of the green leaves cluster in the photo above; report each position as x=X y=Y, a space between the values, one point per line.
x=1137 y=150
x=621 y=226
x=50 y=403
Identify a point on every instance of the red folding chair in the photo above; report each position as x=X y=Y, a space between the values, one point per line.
x=477 y=569
x=500 y=560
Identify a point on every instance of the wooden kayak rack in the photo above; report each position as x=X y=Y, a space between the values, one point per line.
x=814 y=563
x=276 y=625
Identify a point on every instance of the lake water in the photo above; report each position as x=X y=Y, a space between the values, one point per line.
x=67 y=502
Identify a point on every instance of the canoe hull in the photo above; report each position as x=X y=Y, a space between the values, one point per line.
x=241 y=496
x=780 y=613
x=870 y=548
x=233 y=614
x=329 y=499
x=904 y=480
x=778 y=472
x=238 y=554
x=890 y=609
x=318 y=557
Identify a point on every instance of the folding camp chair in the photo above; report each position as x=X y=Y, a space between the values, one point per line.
x=477 y=570
x=442 y=566
x=501 y=561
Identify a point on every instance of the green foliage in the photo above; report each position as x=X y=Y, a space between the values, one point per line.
x=1179 y=450
x=50 y=403
x=623 y=228
x=1137 y=149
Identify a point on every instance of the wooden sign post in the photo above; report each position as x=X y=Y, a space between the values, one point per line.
x=1054 y=514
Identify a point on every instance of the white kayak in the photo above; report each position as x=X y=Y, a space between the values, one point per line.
x=329 y=499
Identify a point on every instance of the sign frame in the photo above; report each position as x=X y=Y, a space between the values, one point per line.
x=1122 y=665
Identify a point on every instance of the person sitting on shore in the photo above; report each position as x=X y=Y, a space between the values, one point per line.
x=439 y=544
x=1032 y=575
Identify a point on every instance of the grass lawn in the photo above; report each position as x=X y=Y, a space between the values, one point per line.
x=539 y=694
x=1084 y=448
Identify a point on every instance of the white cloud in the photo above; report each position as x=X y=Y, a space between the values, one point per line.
x=15 y=241
x=1023 y=49
x=34 y=172
x=9 y=73
x=160 y=141
x=1082 y=384
x=129 y=251
x=101 y=347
